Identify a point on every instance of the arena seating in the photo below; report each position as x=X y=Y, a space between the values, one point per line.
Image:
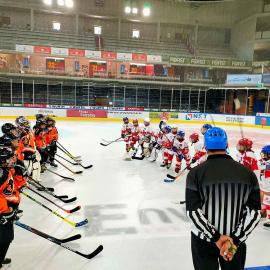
x=10 y=37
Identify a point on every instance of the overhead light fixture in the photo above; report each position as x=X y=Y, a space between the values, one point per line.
x=97 y=30
x=135 y=33
x=69 y=3
x=56 y=26
x=146 y=10
x=127 y=10
x=134 y=10
x=61 y=3
x=47 y=2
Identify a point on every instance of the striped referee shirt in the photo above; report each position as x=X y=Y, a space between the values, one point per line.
x=222 y=198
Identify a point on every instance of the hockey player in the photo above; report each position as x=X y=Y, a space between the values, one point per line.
x=146 y=137
x=126 y=127
x=246 y=155
x=9 y=128
x=174 y=130
x=200 y=153
x=204 y=128
x=26 y=151
x=9 y=201
x=40 y=140
x=51 y=139
x=264 y=166
x=181 y=150
x=135 y=135
x=167 y=143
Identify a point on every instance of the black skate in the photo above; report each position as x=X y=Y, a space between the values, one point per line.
x=53 y=164
x=267 y=225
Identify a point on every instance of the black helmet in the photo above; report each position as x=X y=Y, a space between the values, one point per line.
x=40 y=122
x=5 y=154
x=7 y=127
x=7 y=139
x=40 y=116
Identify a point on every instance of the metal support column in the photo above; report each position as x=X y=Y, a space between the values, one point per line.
x=11 y=92
x=247 y=103
x=124 y=96
x=22 y=94
x=198 y=105
x=61 y=94
x=88 y=95
x=33 y=92
x=268 y=100
x=189 y=100
x=47 y=92
x=75 y=89
x=172 y=99
x=148 y=97
x=114 y=95
x=225 y=100
x=180 y=99
x=136 y=102
x=160 y=97
x=204 y=106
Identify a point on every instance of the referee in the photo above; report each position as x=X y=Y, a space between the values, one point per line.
x=223 y=204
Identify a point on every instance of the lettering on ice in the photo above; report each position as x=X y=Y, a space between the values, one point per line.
x=115 y=219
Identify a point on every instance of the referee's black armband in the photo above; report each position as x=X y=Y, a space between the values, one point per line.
x=216 y=237
x=235 y=239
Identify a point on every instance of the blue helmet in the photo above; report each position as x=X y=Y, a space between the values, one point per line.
x=266 y=150
x=215 y=139
x=207 y=126
x=181 y=133
x=167 y=129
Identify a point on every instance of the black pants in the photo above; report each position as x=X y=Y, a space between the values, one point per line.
x=52 y=152
x=6 y=237
x=44 y=155
x=206 y=256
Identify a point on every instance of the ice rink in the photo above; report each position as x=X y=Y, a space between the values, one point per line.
x=131 y=211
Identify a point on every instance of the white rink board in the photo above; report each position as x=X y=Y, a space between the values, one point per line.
x=226 y=118
x=25 y=111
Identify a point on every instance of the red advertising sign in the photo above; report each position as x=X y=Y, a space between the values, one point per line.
x=76 y=52
x=87 y=113
x=134 y=109
x=42 y=49
x=139 y=57
x=35 y=105
x=108 y=55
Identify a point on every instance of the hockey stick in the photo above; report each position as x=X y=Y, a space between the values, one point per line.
x=59 y=243
x=71 y=223
x=173 y=178
x=75 y=163
x=181 y=202
x=60 y=175
x=74 y=172
x=62 y=198
x=77 y=159
x=44 y=235
x=67 y=152
x=116 y=140
x=75 y=209
x=138 y=158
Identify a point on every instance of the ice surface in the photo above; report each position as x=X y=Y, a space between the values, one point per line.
x=131 y=211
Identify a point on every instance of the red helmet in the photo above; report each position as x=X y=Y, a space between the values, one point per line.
x=245 y=142
x=194 y=137
x=135 y=122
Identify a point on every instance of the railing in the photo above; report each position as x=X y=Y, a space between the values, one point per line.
x=77 y=93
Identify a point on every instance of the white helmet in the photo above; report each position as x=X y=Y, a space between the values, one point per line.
x=147 y=120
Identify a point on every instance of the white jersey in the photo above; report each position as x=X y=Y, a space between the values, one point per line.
x=147 y=130
x=200 y=152
x=180 y=146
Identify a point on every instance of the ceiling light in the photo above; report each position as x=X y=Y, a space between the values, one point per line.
x=127 y=10
x=135 y=10
x=69 y=3
x=47 y=2
x=146 y=11
x=61 y=3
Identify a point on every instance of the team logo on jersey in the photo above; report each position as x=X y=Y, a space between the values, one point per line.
x=8 y=191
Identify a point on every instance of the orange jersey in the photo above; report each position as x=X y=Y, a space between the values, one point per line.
x=40 y=139
x=51 y=135
x=8 y=191
x=26 y=144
